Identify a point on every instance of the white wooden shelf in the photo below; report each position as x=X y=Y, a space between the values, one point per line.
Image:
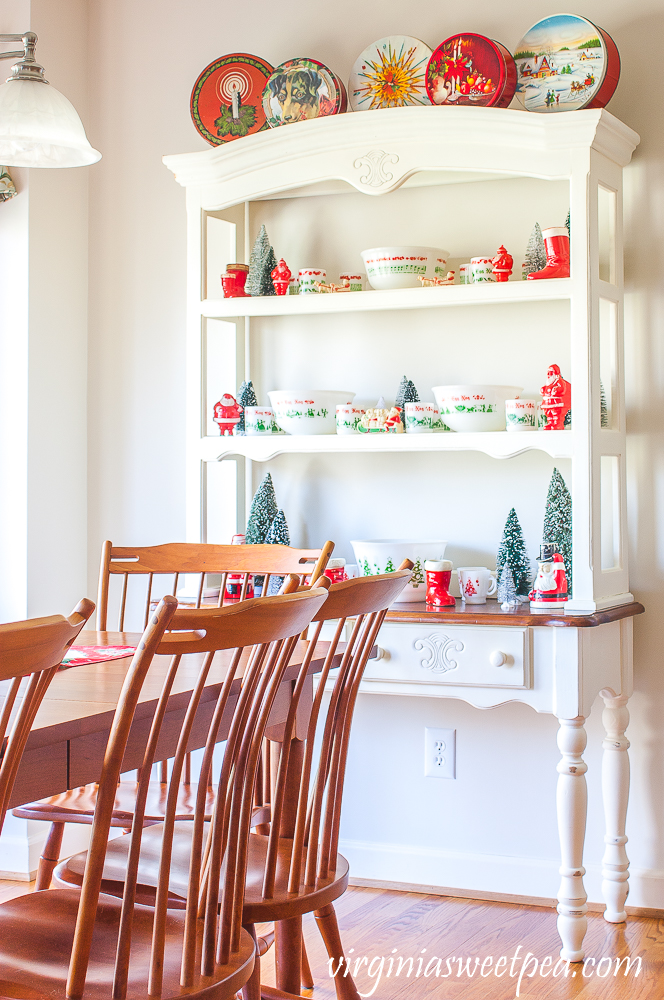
x=497 y=444
x=492 y=293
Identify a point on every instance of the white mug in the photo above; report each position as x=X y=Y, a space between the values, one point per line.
x=521 y=414
x=307 y=278
x=481 y=269
x=421 y=418
x=476 y=583
x=348 y=418
x=259 y=420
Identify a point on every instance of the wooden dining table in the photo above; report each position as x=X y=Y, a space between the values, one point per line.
x=67 y=742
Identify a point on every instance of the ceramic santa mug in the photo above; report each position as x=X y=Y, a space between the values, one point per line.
x=307 y=278
x=521 y=414
x=476 y=583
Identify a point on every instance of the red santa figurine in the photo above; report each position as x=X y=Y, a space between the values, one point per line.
x=556 y=399
x=502 y=264
x=281 y=276
x=227 y=414
x=550 y=586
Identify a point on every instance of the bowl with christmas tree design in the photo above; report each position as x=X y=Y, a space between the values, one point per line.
x=308 y=411
x=385 y=555
x=474 y=407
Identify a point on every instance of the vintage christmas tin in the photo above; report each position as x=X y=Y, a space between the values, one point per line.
x=470 y=69
x=301 y=89
x=227 y=99
x=390 y=73
x=566 y=63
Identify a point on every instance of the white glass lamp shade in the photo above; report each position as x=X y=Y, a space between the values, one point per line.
x=40 y=128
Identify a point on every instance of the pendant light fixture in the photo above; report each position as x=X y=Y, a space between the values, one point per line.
x=38 y=125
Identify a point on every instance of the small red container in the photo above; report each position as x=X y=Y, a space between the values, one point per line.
x=471 y=70
x=233 y=281
x=336 y=570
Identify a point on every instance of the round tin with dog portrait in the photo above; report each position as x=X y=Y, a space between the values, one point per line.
x=227 y=99
x=390 y=73
x=566 y=63
x=471 y=70
x=301 y=89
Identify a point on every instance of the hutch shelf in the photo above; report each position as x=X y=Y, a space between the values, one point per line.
x=555 y=663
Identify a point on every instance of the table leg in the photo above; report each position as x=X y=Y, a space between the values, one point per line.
x=615 y=792
x=572 y=803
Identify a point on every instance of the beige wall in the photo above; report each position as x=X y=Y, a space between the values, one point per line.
x=143 y=60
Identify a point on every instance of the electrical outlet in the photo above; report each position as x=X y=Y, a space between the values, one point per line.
x=440 y=753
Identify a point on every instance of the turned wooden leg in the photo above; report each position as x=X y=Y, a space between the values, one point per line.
x=307 y=978
x=252 y=988
x=615 y=792
x=329 y=929
x=49 y=857
x=288 y=954
x=572 y=802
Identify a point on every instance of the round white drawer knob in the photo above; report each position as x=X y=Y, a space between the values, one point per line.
x=497 y=658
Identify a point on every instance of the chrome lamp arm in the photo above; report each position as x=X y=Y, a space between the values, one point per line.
x=27 y=68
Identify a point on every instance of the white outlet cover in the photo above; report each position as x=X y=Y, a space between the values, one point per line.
x=439 y=753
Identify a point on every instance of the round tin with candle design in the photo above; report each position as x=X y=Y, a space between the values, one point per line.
x=227 y=99
x=471 y=70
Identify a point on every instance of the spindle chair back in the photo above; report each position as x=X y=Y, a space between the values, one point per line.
x=176 y=559
x=30 y=654
x=201 y=949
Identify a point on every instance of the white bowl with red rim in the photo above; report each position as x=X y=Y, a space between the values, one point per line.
x=400 y=267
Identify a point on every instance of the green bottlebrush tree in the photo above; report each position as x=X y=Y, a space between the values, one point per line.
x=506 y=592
x=512 y=552
x=535 y=258
x=245 y=397
x=262 y=512
x=277 y=535
x=261 y=264
x=558 y=522
x=407 y=394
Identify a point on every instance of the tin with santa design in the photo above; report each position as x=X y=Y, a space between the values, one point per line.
x=469 y=69
x=566 y=63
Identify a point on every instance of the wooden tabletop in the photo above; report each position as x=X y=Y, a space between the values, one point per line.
x=67 y=742
x=491 y=613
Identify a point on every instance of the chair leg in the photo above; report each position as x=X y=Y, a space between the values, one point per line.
x=252 y=988
x=326 y=919
x=307 y=978
x=288 y=954
x=50 y=857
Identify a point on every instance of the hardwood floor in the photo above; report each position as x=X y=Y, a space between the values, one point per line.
x=383 y=924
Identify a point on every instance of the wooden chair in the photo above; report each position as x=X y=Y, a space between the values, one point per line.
x=30 y=654
x=296 y=868
x=172 y=560
x=61 y=943
x=179 y=558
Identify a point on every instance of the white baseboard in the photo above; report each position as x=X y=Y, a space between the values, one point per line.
x=484 y=876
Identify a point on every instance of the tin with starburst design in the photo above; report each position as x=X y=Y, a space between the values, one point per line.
x=390 y=73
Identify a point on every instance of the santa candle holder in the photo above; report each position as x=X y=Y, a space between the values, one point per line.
x=550 y=587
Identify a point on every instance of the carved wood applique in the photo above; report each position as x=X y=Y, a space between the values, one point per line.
x=375 y=162
x=439 y=647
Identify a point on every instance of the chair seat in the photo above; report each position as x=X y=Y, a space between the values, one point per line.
x=280 y=906
x=78 y=804
x=36 y=935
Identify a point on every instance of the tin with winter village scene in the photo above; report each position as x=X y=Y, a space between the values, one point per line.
x=566 y=63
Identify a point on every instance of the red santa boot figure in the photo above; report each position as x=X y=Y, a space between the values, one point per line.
x=227 y=414
x=556 y=399
x=550 y=587
x=439 y=573
x=502 y=265
x=556 y=244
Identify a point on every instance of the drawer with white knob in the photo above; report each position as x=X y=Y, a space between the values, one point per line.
x=472 y=656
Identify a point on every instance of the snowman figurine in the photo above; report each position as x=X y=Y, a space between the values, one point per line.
x=550 y=587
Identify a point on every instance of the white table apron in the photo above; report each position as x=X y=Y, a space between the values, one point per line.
x=559 y=670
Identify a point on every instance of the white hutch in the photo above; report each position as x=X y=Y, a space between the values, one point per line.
x=467 y=179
